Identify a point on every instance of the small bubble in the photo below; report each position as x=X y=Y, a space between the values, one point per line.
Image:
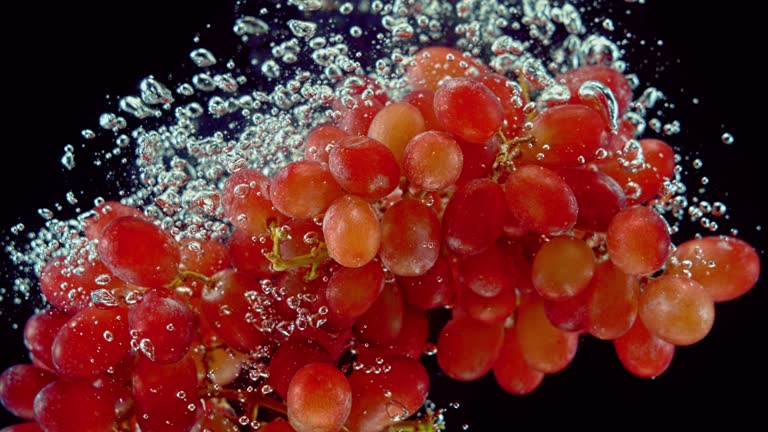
x=201 y=57
x=727 y=138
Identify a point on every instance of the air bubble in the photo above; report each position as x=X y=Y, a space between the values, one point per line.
x=201 y=57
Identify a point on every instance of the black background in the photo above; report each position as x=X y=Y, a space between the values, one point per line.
x=60 y=61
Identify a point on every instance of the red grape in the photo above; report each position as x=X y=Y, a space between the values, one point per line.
x=432 y=65
x=166 y=395
x=74 y=406
x=91 y=342
x=424 y=100
x=382 y=322
x=638 y=240
x=612 y=78
x=461 y=363
x=432 y=161
x=725 y=266
x=562 y=268
x=291 y=356
x=364 y=167
x=226 y=308
x=511 y=371
x=395 y=126
x=544 y=347
x=410 y=238
x=105 y=213
x=164 y=323
x=430 y=290
x=642 y=353
x=468 y=109
x=612 y=302
x=381 y=398
x=304 y=189
x=676 y=309
x=565 y=136
x=320 y=141
x=352 y=291
x=139 y=252
x=540 y=200
x=474 y=217
x=19 y=385
x=319 y=399
x=352 y=232
x=246 y=201
x=40 y=331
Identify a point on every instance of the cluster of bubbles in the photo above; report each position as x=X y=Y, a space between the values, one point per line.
x=175 y=143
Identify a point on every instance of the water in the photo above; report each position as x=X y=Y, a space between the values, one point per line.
x=192 y=131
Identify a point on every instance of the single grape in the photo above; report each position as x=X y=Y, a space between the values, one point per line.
x=638 y=240
x=384 y=397
x=320 y=141
x=249 y=253
x=246 y=201
x=487 y=273
x=364 y=167
x=164 y=321
x=432 y=65
x=461 y=363
x=511 y=371
x=565 y=136
x=395 y=126
x=642 y=353
x=598 y=197
x=227 y=309
x=612 y=302
x=432 y=161
x=206 y=257
x=725 y=266
x=291 y=356
x=432 y=289
x=74 y=406
x=474 y=217
x=91 y=342
x=352 y=291
x=545 y=347
x=304 y=189
x=609 y=76
x=105 y=213
x=358 y=117
x=424 y=100
x=39 y=333
x=410 y=238
x=562 y=268
x=512 y=101
x=352 y=232
x=165 y=395
x=540 y=200
x=677 y=310
x=382 y=322
x=139 y=252
x=468 y=109
x=19 y=384
x=319 y=399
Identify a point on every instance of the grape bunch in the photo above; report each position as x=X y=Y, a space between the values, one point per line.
x=534 y=222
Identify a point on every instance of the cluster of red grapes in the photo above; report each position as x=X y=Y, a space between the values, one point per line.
x=533 y=226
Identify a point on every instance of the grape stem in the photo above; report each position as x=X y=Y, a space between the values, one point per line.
x=508 y=152
x=314 y=258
